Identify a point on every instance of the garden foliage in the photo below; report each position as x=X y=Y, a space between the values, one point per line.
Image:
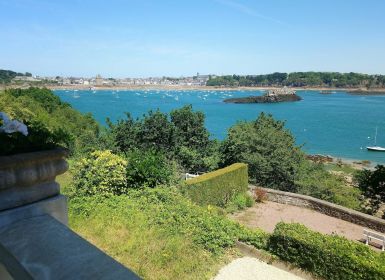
x=50 y=121
x=330 y=257
x=101 y=173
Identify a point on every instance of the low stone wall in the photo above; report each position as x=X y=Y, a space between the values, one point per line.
x=326 y=208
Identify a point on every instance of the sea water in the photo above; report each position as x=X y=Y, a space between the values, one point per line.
x=338 y=124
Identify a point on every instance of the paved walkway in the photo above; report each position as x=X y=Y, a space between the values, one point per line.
x=266 y=215
x=247 y=268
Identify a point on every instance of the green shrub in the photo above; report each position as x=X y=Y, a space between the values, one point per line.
x=372 y=185
x=100 y=173
x=314 y=180
x=255 y=237
x=148 y=169
x=218 y=187
x=328 y=256
x=240 y=201
x=44 y=113
x=39 y=138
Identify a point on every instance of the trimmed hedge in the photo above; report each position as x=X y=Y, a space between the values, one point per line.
x=218 y=187
x=328 y=256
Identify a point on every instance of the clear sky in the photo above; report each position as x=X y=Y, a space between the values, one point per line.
x=134 y=38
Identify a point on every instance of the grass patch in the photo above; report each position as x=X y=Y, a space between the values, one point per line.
x=64 y=181
x=345 y=168
x=160 y=234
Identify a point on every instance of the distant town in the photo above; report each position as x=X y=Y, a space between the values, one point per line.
x=98 y=81
x=314 y=80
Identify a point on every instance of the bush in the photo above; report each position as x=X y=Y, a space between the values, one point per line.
x=46 y=115
x=148 y=169
x=255 y=237
x=218 y=187
x=314 y=180
x=39 y=138
x=260 y=195
x=240 y=201
x=101 y=173
x=372 y=185
x=328 y=256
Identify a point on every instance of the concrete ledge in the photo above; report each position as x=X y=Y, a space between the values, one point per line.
x=46 y=249
x=55 y=206
x=4 y=274
x=326 y=208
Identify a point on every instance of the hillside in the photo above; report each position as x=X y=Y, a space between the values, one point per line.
x=302 y=79
x=7 y=75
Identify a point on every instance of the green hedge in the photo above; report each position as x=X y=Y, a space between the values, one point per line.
x=218 y=187
x=328 y=256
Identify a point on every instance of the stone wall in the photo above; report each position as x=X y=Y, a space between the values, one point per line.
x=326 y=208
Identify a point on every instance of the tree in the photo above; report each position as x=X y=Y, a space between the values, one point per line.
x=156 y=132
x=372 y=185
x=269 y=150
x=190 y=130
x=148 y=168
x=193 y=150
x=122 y=136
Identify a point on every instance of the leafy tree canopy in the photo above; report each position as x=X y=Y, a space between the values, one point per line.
x=301 y=79
x=268 y=148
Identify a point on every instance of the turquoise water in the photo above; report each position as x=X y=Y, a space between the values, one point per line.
x=337 y=124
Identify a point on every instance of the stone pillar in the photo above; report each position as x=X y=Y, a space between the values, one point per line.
x=30 y=177
x=35 y=242
x=27 y=190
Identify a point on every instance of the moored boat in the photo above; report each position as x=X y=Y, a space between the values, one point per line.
x=375 y=148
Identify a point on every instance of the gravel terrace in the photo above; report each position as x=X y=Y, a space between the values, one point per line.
x=267 y=214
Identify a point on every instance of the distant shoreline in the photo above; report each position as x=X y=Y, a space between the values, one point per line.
x=358 y=91
x=208 y=88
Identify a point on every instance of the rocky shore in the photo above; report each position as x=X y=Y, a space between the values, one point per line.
x=264 y=99
x=272 y=96
x=365 y=92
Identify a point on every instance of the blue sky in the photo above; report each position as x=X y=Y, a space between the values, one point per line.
x=135 y=38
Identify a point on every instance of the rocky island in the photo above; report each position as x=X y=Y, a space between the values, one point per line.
x=272 y=96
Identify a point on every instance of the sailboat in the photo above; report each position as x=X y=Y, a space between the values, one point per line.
x=375 y=148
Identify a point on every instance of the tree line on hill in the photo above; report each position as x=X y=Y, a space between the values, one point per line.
x=6 y=76
x=178 y=141
x=302 y=79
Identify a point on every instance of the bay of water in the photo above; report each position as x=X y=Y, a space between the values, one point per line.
x=338 y=124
